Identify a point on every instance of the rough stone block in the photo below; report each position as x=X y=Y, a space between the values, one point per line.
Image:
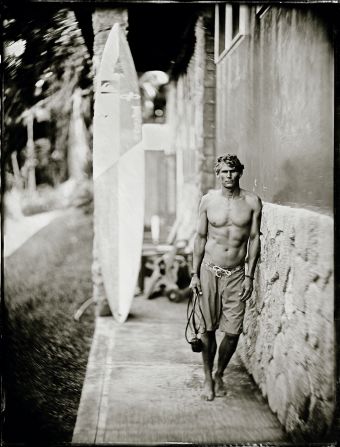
x=301 y=390
x=210 y=66
x=301 y=235
x=209 y=79
x=289 y=305
x=210 y=95
x=299 y=271
x=289 y=342
x=315 y=306
x=292 y=422
x=325 y=247
x=277 y=391
x=209 y=147
x=280 y=352
x=209 y=131
x=317 y=421
x=208 y=115
x=320 y=357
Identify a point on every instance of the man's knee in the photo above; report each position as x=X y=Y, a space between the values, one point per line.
x=231 y=339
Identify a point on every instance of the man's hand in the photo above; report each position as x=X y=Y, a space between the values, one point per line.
x=195 y=284
x=247 y=288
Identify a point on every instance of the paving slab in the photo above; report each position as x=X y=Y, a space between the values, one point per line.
x=143 y=386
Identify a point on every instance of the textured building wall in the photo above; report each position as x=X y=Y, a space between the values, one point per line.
x=275 y=100
x=288 y=335
x=102 y=20
x=191 y=116
x=275 y=110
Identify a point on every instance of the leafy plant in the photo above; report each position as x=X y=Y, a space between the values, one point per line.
x=45 y=60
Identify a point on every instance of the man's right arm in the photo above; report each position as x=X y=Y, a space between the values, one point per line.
x=199 y=244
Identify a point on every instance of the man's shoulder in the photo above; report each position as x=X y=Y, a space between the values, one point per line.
x=253 y=199
x=209 y=195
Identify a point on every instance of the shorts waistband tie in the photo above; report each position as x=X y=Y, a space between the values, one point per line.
x=219 y=271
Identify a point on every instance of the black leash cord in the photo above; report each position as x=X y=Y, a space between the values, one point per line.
x=189 y=318
x=191 y=322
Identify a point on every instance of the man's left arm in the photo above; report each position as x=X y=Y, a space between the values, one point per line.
x=254 y=246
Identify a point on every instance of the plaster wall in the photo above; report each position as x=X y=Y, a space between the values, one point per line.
x=275 y=101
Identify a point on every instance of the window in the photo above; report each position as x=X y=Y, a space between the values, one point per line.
x=221 y=28
x=261 y=10
x=235 y=21
x=231 y=24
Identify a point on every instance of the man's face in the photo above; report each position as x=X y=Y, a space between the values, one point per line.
x=229 y=176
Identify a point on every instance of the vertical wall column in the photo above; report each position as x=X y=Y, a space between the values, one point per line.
x=207 y=180
x=191 y=117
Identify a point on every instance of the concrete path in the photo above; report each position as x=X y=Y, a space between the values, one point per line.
x=143 y=386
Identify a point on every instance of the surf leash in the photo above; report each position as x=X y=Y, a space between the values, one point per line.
x=195 y=318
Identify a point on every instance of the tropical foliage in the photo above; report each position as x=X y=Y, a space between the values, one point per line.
x=45 y=61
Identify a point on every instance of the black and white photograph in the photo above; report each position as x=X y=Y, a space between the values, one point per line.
x=169 y=216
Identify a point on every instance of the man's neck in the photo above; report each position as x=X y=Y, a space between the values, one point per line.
x=231 y=193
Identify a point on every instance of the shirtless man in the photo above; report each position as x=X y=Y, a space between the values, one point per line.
x=228 y=232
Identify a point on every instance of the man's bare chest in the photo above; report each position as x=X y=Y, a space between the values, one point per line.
x=223 y=212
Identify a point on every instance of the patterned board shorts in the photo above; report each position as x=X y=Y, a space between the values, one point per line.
x=220 y=300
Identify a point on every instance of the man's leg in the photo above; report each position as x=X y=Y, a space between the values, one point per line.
x=208 y=354
x=226 y=350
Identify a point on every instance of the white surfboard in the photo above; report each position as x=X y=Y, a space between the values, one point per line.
x=118 y=173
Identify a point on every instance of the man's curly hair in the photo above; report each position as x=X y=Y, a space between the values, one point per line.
x=231 y=160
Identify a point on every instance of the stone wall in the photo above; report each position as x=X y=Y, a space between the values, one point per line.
x=191 y=117
x=288 y=337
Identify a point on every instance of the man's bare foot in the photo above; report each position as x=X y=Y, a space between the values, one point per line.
x=220 y=390
x=208 y=390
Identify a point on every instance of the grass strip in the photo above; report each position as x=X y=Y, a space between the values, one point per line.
x=46 y=350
